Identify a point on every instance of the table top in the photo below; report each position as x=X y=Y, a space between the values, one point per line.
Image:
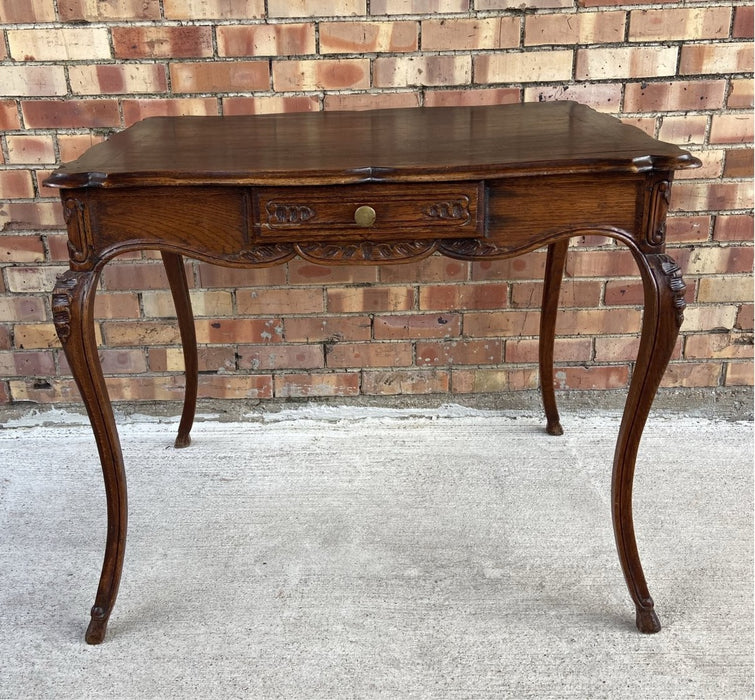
x=392 y=145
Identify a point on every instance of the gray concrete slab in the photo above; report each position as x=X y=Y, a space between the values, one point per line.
x=326 y=552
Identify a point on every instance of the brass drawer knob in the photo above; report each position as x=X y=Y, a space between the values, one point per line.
x=365 y=216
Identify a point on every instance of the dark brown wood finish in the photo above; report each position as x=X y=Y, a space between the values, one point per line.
x=473 y=183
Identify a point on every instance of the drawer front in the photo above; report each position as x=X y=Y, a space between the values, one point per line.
x=370 y=212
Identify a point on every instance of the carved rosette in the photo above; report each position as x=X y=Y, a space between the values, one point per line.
x=673 y=274
x=62 y=298
x=365 y=251
x=266 y=254
x=80 y=248
x=655 y=231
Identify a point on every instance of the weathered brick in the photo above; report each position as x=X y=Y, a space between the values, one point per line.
x=303 y=272
x=731 y=128
x=44 y=391
x=712 y=166
x=694 y=196
x=316 y=384
x=740 y=95
x=315 y=8
x=15 y=12
x=468 y=34
x=345 y=355
x=440 y=325
x=625 y=62
x=708 y=318
x=214 y=9
x=117 y=305
x=725 y=289
x=574 y=293
x=734 y=227
x=683 y=130
x=25 y=308
x=591 y=377
x=482 y=381
x=266 y=40
x=451 y=297
x=739 y=374
x=27 y=216
x=279 y=301
x=204 y=303
x=433 y=269
x=235 y=387
x=524 y=267
x=239 y=330
x=235 y=76
x=523 y=67
x=26 y=81
x=117 y=79
x=325 y=74
x=718 y=346
x=712 y=260
x=417 y=7
x=406 y=71
x=681 y=24
x=478 y=324
x=94 y=10
x=589 y=28
x=398 y=382
x=229 y=278
x=128 y=276
x=517 y=5
x=135 y=333
x=29 y=149
x=59 y=44
x=472 y=97
x=677 y=95
x=745 y=319
x=21 y=249
x=703 y=59
x=162 y=42
x=366 y=299
x=209 y=359
x=277 y=104
x=371 y=100
x=15 y=184
x=332 y=329
x=460 y=352
x=74 y=114
x=9 y=115
x=739 y=162
x=136 y=110
x=279 y=356
x=368 y=37
x=35 y=335
x=32 y=279
x=605 y=97
x=692 y=375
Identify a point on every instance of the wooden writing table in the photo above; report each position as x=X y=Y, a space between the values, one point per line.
x=362 y=188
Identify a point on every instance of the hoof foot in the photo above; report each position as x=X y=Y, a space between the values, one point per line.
x=96 y=630
x=647 y=621
x=554 y=428
x=182 y=441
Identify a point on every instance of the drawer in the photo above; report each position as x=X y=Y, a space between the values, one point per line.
x=368 y=212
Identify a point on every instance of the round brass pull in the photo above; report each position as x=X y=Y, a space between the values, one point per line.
x=365 y=216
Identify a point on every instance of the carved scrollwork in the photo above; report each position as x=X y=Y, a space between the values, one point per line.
x=80 y=248
x=266 y=253
x=454 y=210
x=62 y=298
x=471 y=248
x=365 y=251
x=655 y=232
x=279 y=213
x=673 y=274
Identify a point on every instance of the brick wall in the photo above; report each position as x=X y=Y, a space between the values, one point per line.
x=73 y=71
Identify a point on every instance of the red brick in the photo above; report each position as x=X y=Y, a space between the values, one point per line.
x=739 y=374
x=276 y=104
x=744 y=320
x=408 y=71
x=162 y=42
x=733 y=227
x=72 y=115
x=233 y=76
x=570 y=28
x=693 y=196
x=683 y=130
x=466 y=381
x=214 y=9
x=743 y=22
x=94 y=10
x=518 y=6
x=718 y=346
x=739 y=162
x=325 y=74
x=674 y=96
x=230 y=278
x=9 y=115
x=468 y=34
x=279 y=301
x=24 y=216
x=472 y=97
x=5 y=336
x=21 y=249
x=440 y=325
x=601 y=263
x=740 y=95
x=346 y=355
x=15 y=12
x=433 y=269
x=266 y=40
x=303 y=272
x=366 y=299
x=704 y=59
x=371 y=100
x=529 y=295
x=398 y=382
x=605 y=97
x=332 y=329
x=279 y=356
x=134 y=276
x=683 y=374
x=367 y=37
x=235 y=387
x=450 y=297
x=32 y=364
x=311 y=384
x=30 y=149
x=731 y=128
x=136 y=110
x=118 y=305
x=315 y=8
x=591 y=377
x=239 y=330
x=52 y=391
x=72 y=146
x=460 y=352
x=524 y=267
x=117 y=79
x=26 y=308
x=501 y=323
x=405 y=7
x=16 y=184
x=209 y=359
x=129 y=361
x=732 y=259
x=681 y=24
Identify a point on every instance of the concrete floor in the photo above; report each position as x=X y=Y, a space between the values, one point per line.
x=357 y=552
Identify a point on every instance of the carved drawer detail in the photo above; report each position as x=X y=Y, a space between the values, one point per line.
x=368 y=212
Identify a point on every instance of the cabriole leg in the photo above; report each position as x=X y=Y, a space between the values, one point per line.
x=663 y=314
x=554 y=272
x=73 y=314
x=179 y=288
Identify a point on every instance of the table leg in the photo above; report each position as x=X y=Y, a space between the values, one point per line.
x=554 y=272
x=663 y=314
x=179 y=288
x=73 y=314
